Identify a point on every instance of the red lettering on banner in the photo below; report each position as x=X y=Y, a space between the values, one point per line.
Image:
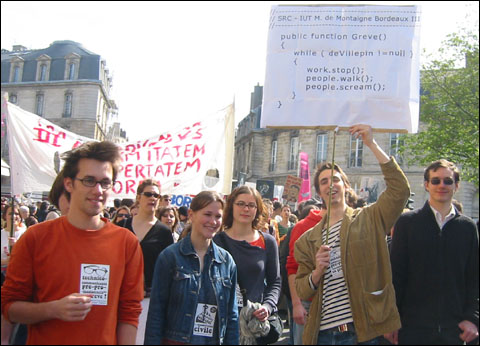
x=129 y=184
x=197 y=161
x=169 y=164
x=139 y=171
x=159 y=170
x=182 y=137
x=166 y=152
x=177 y=148
x=133 y=151
x=128 y=170
x=177 y=168
x=77 y=144
x=198 y=132
x=118 y=187
x=196 y=150
x=167 y=139
x=186 y=153
x=43 y=135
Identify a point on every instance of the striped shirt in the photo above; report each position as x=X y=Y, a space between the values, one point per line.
x=336 y=308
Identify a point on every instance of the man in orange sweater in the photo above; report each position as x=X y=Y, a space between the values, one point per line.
x=78 y=279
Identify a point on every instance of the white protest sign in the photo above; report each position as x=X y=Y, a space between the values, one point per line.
x=331 y=66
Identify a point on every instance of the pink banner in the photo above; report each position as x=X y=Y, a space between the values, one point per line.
x=305 y=175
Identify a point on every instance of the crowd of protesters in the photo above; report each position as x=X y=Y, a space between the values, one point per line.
x=215 y=273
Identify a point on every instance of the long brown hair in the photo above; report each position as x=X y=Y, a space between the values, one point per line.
x=260 y=216
x=162 y=211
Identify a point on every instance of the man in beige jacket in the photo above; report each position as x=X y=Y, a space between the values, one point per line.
x=349 y=278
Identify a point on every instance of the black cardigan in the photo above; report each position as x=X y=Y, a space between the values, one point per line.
x=155 y=241
x=435 y=272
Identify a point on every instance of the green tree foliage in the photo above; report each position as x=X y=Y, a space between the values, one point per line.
x=449 y=108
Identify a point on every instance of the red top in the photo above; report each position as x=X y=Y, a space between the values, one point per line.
x=260 y=242
x=54 y=259
x=301 y=227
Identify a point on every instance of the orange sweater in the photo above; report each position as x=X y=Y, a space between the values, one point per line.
x=47 y=263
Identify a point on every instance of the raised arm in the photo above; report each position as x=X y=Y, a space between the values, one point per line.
x=366 y=134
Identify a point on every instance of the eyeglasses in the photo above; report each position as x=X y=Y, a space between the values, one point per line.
x=94 y=269
x=91 y=182
x=446 y=181
x=243 y=205
x=122 y=215
x=151 y=194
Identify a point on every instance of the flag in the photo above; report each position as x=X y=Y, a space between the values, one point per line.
x=305 y=175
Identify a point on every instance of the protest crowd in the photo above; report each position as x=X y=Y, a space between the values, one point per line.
x=228 y=269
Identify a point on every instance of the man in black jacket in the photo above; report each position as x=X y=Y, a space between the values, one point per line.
x=434 y=259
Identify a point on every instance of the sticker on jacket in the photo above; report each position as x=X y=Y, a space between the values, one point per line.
x=204 y=320
x=94 y=280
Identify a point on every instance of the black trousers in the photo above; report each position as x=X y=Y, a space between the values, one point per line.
x=429 y=336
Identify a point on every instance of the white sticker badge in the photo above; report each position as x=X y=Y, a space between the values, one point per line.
x=94 y=280
x=204 y=320
x=336 y=263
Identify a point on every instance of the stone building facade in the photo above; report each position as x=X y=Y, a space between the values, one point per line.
x=272 y=154
x=65 y=83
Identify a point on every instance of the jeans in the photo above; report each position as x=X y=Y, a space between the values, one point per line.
x=298 y=328
x=333 y=337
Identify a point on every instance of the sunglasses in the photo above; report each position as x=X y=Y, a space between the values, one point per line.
x=151 y=194
x=446 y=181
x=122 y=215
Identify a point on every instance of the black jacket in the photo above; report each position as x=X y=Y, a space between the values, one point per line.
x=435 y=272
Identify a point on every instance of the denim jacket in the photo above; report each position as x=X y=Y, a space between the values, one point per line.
x=175 y=291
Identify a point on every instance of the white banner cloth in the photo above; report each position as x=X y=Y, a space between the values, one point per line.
x=178 y=159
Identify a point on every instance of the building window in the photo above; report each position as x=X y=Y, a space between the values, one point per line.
x=396 y=141
x=68 y=105
x=12 y=98
x=356 y=152
x=71 y=71
x=39 y=101
x=273 y=157
x=293 y=157
x=16 y=74
x=322 y=144
x=43 y=72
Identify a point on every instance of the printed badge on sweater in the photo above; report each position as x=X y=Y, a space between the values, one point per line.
x=94 y=280
x=204 y=320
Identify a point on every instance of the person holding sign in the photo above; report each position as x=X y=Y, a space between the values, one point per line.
x=349 y=277
x=78 y=279
x=193 y=295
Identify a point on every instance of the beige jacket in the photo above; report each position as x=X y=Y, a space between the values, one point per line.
x=365 y=262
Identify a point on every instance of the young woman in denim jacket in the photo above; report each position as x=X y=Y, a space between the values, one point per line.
x=193 y=294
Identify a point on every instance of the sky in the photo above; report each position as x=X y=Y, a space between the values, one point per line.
x=173 y=63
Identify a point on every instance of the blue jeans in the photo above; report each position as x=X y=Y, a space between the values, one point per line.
x=298 y=328
x=332 y=337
